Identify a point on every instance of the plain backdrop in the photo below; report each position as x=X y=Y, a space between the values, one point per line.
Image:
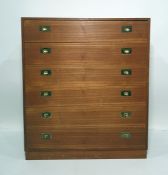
x=11 y=118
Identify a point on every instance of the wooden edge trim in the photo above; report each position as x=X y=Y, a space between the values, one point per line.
x=69 y=154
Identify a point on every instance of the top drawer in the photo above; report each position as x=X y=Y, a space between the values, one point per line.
x=55 y=30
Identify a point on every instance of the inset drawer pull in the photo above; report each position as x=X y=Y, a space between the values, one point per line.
x=46 y=136
x=126 y=93
x=45 y=50
x=125 y=115
x=126 y=29
x=46 y=72
x=126 y=50
x=126 y=135
x=46 y=93
x=46 y=115
x=126 y=71
x=44 y=28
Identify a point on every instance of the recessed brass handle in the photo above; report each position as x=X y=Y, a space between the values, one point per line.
x=126 y=50
x=46 y=72
x=44 y=28
x=46 y=115
x=45 y=50
x=126 y=71
x=126 y=93
x=46 y=136
x=46 y=93
x=126 y=29
x=125 y=115
x=125 y=135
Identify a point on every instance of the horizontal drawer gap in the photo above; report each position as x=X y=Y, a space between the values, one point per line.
x=93 y=104
x=128 y=126
x=102 y=42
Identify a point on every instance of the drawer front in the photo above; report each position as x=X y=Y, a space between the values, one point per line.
x=88 y=54
x=38 y=96
x=85 y=138
x=82 y=31
x=135 y=113
x=84 y=76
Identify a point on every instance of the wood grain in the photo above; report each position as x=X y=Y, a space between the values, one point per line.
x=93 y=115
x=84 y=76
x=85 y=138
x=82 y=31
x=86 y=85
x=88 y=54
x=85 y=154
x=63 y=97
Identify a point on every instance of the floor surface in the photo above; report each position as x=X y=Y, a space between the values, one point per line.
x=12 y=161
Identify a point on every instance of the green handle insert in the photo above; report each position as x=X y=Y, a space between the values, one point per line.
x=126 y=93
x=125 y=115
x=46 y=72
x=126 y=50
x=46 y=93
x=126 y=29
x=45 y=50
x=46 y=115
x=125 y=135
x=45 y=28
x=126 y=72
x=46 y=136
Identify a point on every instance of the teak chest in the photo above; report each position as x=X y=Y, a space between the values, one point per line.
x=85 y=87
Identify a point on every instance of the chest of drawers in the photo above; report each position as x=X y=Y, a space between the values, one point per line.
x=85 y=87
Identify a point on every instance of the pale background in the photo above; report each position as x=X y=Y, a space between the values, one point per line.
x=11 y=118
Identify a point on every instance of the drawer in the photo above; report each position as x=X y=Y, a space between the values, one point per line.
x=84 y=75
x=82 y=30
x=85 y=138
x=88 y=54
x=135 y=113
x=38 y=96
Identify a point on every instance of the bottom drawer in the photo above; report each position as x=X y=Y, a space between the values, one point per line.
x=86 y=138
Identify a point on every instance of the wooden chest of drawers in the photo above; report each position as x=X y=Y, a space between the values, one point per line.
x=85 y=87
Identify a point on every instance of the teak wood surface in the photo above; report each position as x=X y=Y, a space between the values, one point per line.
x=86 y=84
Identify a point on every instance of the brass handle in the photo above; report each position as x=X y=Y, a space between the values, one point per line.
x=126 y=93
x=45 y=50
x=125 y=135
x=46 y=72
x=126 y=50
x=126 y=71
x=46 y=136
x=126 y=29
x=46 y=93
x=125 y=115
x=46 y=115
x=44 y=28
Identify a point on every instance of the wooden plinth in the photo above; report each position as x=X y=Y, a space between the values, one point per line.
x=128 y=154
